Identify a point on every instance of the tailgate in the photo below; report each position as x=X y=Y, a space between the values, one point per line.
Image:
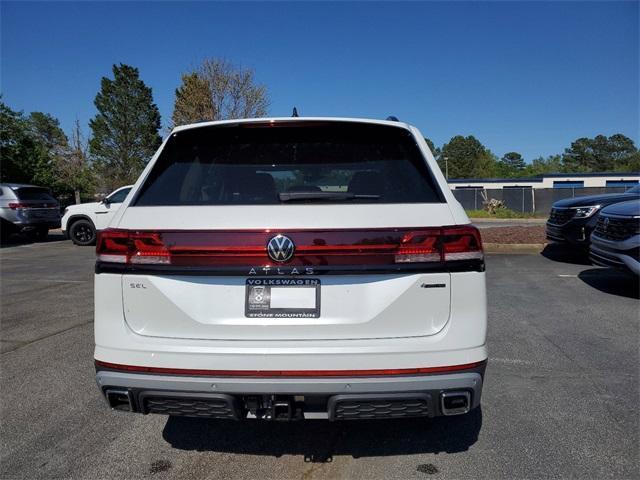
x=362 y=306
x=364 y=286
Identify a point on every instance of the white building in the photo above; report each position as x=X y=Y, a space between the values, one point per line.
x=551 y=180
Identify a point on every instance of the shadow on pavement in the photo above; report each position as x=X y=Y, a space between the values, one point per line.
x=17 y=240
x=612 y=281
x=566 y=254
x=319 y=440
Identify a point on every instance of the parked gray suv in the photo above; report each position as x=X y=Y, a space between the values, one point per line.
x=27 y=209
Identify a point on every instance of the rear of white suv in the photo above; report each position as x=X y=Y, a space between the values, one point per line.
x=288 y=268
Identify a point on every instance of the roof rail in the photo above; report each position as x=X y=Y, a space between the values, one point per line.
x=392 y=118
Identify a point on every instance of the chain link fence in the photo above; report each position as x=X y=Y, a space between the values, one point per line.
x=526 y=199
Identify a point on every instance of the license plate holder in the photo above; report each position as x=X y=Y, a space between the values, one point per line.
x=282 y=298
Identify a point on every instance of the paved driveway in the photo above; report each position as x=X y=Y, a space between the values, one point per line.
x=561 y=395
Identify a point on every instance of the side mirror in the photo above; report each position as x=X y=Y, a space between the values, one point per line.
x=106 y=201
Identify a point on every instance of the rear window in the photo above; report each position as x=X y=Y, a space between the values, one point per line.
x=34 y=193
x=259 y=164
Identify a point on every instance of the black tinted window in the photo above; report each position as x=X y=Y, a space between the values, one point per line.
x=33 y=193
x=119 y=196
x=253 y=164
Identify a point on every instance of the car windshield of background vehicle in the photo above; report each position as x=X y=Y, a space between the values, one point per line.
x=259 y=164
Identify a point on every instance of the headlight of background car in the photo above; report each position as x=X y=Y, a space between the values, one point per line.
x=584 y=212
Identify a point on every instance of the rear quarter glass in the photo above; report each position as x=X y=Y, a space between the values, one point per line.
x=252 y=164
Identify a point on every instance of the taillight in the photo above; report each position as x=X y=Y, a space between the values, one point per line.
x=319 y=249
x=18 y=205
x=441 y=245
x=461 y=243
x=419 y=246
x=113 y=246
x=122 y=246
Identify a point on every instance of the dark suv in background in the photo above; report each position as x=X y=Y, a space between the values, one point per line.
x=27 y=209
x=615 y=242
x=572 y=220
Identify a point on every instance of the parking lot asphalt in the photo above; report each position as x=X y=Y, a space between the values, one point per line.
x=560 y=400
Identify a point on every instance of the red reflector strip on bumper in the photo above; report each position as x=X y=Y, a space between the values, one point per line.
x=288 y=373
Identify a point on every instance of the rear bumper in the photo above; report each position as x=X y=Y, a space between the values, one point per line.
x=393 y=396
x=23 y=226
x=172 y=367
x=49 y=225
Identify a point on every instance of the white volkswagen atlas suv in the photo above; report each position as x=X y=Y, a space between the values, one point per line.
x=291 y=268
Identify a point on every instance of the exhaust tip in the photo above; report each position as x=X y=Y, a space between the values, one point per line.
x=119 y=400
x=455 y=403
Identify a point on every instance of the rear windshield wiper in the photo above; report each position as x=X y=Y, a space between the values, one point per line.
x=323 y=196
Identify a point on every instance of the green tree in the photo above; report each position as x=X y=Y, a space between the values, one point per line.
x=46 y=130
x=466 y=157
x=599 y=154
x=125 y=129
x=29 y=147
x=512 y=163
x=194 y=101
x=219 y=90
x=432 y=146
x=541 y=165
x=51 y=142
x=632 y=164
x=17 y=147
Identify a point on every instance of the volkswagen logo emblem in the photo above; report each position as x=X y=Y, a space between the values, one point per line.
x=280 y=248
x=605 y=224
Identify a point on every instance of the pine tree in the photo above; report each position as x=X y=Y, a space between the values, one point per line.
x=51 y=142
x=125 y=129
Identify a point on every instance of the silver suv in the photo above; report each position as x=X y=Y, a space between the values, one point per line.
x=28 y=209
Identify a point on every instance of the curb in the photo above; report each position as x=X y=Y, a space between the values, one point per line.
x=523 y=248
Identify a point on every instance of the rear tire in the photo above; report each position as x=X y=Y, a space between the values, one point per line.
x=82 y=232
